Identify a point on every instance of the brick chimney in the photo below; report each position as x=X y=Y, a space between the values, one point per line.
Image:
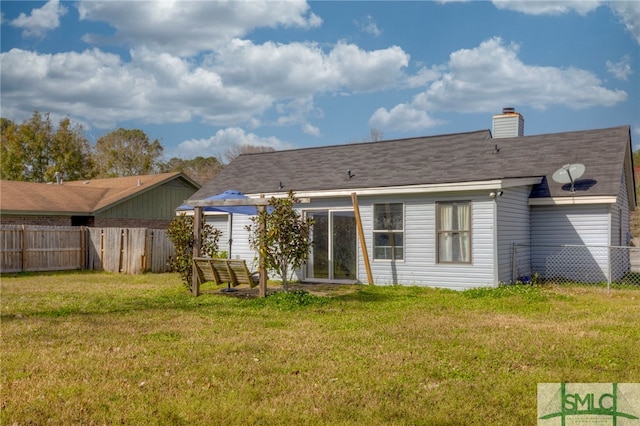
x=509 y=124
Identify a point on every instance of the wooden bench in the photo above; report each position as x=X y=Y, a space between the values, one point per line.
x=231 y=271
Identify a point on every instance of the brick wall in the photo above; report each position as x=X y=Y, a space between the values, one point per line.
x=98 y=222
x=131 y=223
x=35 y=220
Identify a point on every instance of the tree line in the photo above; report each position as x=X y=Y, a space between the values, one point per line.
x=37 y=151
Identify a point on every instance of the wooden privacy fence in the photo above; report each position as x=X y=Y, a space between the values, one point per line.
x=42 y=248
x=56 y=248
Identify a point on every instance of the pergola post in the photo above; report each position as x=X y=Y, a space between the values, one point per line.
x=363 y=243
x=197 y=239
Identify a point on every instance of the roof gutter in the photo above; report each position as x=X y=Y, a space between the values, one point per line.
x=568 y=201
x=412 y=189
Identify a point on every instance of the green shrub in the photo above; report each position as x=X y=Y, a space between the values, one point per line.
x=180 y=233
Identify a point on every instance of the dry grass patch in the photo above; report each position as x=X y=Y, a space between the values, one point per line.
x=88 y=348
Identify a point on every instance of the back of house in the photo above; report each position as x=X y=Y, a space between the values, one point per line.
x=456 y=211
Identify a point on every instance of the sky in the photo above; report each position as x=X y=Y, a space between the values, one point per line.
x=205 y=76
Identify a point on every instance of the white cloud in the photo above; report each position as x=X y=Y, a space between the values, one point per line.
x=92 y=85
x=236 y=85
x=102 y=90
x=310 y=130
x=621 y=69
x=548 y=7
x=363 y=71
x=223 y=140
x=188 y=28
x=300 y=69
x=627 y=11
x=423 y=77
x=402 y=117
x=490 y=75
x=296 y=112
x=41 y=20
x=485 y=78
x=369 y=26
x=629 y=14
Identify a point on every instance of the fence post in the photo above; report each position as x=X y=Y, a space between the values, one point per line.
x=102 y=248
x=23 y=239
x=148 y=258
x=84 y=252
x=122 y=248
x=610 y=270
x=514 y=264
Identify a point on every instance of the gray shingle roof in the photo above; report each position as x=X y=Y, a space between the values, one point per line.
x=454 y=158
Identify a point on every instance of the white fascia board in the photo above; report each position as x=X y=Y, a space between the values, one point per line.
x=206 y=213
x=566 y=201
x=488 y=185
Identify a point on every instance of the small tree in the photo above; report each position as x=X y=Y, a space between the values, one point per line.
x=285 y=240
x=180 y=233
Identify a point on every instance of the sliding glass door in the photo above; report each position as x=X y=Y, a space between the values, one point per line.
x=334 y=255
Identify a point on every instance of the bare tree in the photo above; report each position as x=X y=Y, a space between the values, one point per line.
x=200 y=169
x=237 y=150
x=375 y=135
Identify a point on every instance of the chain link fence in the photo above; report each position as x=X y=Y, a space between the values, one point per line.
x=605 y=266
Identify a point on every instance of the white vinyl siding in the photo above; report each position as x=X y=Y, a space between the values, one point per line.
x=419 y=266
x=514 y=224
x=620 y=227
x=240 y=247
x=571 y=239
x=579 y=224
x=620 y=233
x=220 y=222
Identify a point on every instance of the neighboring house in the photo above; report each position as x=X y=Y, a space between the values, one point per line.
x=147 y=201
x=446 y=210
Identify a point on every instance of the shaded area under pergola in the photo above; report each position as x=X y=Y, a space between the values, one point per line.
x=198 y=205
x=261 y=205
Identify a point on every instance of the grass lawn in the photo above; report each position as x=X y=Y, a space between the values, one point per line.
x=96 y=348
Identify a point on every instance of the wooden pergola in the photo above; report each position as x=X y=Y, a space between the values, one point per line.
x=260 y=203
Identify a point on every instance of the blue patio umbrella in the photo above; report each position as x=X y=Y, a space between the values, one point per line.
x=230 y=194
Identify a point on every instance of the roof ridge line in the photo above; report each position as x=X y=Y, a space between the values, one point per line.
x=369 y=142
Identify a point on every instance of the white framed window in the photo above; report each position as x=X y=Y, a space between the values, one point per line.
x=453 y=223
x=388 y=231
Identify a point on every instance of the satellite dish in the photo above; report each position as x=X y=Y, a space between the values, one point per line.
x=569 y=173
